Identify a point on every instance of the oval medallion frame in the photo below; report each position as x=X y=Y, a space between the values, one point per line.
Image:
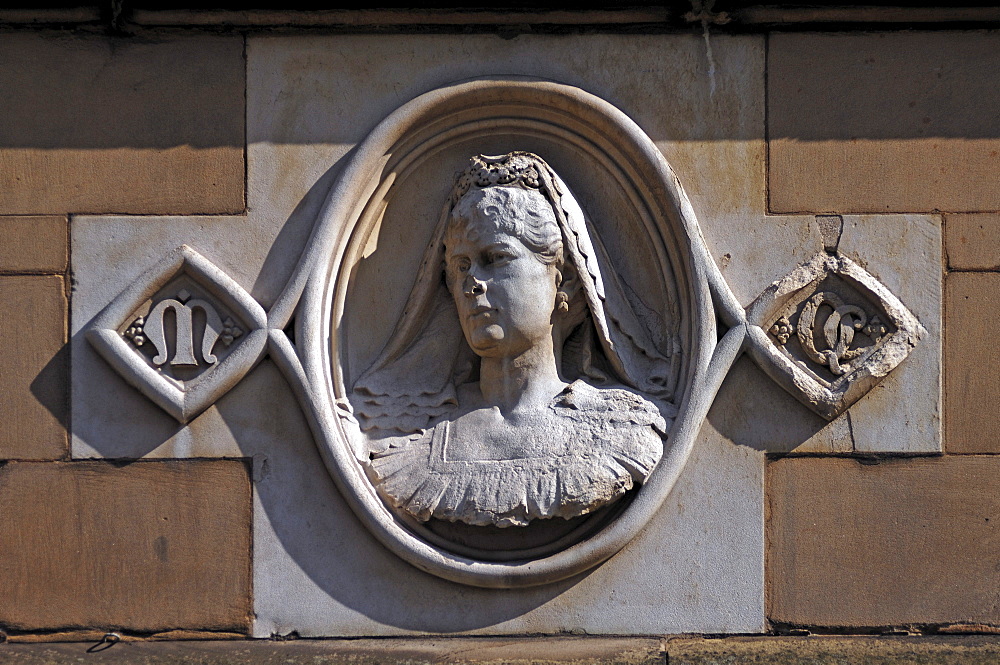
x=485 y=107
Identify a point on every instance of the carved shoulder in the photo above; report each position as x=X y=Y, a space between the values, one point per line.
x=614 y=406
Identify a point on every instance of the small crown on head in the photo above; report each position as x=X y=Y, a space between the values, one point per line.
x=515 y=169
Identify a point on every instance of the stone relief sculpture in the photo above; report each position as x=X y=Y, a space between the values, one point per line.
x=526 y=389
x=183 y=334
x=833 y=332
x=519 y=385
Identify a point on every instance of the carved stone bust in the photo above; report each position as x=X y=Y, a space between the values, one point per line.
x=519 y=383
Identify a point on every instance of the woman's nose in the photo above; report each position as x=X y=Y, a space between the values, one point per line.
x=474 y=286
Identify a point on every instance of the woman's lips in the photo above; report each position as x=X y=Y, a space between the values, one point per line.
x=482 y=311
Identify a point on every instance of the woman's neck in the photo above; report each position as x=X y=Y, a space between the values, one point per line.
x=525 y=382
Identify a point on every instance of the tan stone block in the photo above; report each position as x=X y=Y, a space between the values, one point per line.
x=973 y=241
x=34 y=367
x=148 y=546
x=903 y=541
x=33 y=244
x=971 y=366
x=97 y=124
x=884 y=122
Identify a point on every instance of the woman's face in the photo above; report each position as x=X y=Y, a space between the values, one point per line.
x=504 y=294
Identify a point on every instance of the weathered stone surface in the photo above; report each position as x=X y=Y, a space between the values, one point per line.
x=966 y=650
x=752 y=251
x=835 y=651
x=302 y=125
x=309 y=578
x=110 y=253
x=902 y=541
x=147 y=546
x=902 y=414
x=302 y=122
x=35 y=382
x=890 y=122
x=972 y=242
x=811 y=317
x=524 y=444
x=96 y=124
x=300 y=129
x=33 y=244
x=485 y=651
x=972 y=424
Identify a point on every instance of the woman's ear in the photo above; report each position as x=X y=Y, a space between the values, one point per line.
x=569 y=282
x=567 y=286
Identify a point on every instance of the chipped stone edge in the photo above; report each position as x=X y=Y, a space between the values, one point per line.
x=183 y=405
x=826 y=402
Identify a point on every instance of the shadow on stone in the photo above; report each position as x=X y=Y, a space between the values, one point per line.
x=751 y=410
x=51 y=386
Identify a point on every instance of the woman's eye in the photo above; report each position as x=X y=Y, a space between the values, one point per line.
x=498 y=257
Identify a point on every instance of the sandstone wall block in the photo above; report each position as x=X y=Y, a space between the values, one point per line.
x=972 y=424
x=883 y=122
x=34 y=397
x=95 y=124
x=903 y=541
x=973 y=241
x=147 y=546
x=33 y=244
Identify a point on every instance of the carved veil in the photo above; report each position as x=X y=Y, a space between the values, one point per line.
x=413 y=380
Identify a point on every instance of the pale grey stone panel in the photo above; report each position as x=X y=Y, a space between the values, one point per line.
x=902 y=414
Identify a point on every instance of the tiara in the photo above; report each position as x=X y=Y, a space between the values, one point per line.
x=515 y=169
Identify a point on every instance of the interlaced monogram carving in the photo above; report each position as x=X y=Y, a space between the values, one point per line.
x=829 y=331
x=838 y=331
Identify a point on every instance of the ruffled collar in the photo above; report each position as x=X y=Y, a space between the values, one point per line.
x=611 y=440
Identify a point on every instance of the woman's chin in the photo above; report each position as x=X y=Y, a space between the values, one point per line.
x=487 y=341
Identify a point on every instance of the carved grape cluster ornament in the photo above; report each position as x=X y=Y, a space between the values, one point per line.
x=538 y=393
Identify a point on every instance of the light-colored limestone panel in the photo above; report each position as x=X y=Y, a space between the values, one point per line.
x=104 y=125
x=33 y=367
x=902 y=414
x=33 y=244
x=752 y=251
x=148 y=546
x=759 y=414
x=902 y=541
x=884 y=122
x=309 y=101
x=972 y=242
x=972 y=424
x=698 y=567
